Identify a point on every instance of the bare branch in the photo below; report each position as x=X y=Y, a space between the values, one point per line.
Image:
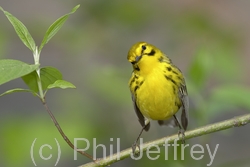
x=234 y=122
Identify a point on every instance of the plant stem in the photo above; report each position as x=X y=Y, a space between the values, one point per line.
x=36 y=56
x=234 y=122
x=62 y=133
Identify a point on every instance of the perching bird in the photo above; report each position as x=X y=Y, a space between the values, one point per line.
x=157 y=87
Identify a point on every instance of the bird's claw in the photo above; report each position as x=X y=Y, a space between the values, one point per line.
x=134 y=146
x=182 y=133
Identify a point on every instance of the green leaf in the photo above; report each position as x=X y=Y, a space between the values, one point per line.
x=12 y=69
x=228 y=65
x=61 y=84
x=21 y=30
x=229 y=97
x=18 y=90
x=201 y=67
x=48 y=76
x=31 y=81
x=55 y=27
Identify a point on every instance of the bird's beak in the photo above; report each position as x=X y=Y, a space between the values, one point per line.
x=138 y=58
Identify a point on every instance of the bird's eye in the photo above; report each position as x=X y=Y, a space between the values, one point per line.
x=143 y=47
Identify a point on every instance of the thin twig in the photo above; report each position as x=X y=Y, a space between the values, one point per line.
x=234 y=122
x=62 y=133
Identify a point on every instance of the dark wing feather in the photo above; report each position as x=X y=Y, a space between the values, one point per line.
x=139 y=115
x=185 y=105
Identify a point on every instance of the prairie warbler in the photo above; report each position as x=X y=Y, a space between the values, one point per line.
x=158 y=89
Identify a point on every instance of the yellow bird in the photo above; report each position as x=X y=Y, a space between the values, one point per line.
x=157 y=87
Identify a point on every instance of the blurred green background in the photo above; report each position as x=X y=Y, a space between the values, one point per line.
x=208 y=40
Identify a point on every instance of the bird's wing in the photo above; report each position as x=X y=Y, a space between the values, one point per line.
x=185 y=105
x=141 y=118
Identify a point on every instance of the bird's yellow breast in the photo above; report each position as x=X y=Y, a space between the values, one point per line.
x=156 y=97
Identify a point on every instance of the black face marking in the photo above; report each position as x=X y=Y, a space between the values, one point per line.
x=136 y=68
x=152 y=53
x=170 y=79
x=169 y=68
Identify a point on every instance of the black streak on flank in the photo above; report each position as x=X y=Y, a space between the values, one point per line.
x=136 y=87
x=179 y=77
x=152 y=53
x=169 y=68
x=141 y=83
x=175 y=72
x=170 y=79
x=161 y=59
x=132 y=81
x=174 y=90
